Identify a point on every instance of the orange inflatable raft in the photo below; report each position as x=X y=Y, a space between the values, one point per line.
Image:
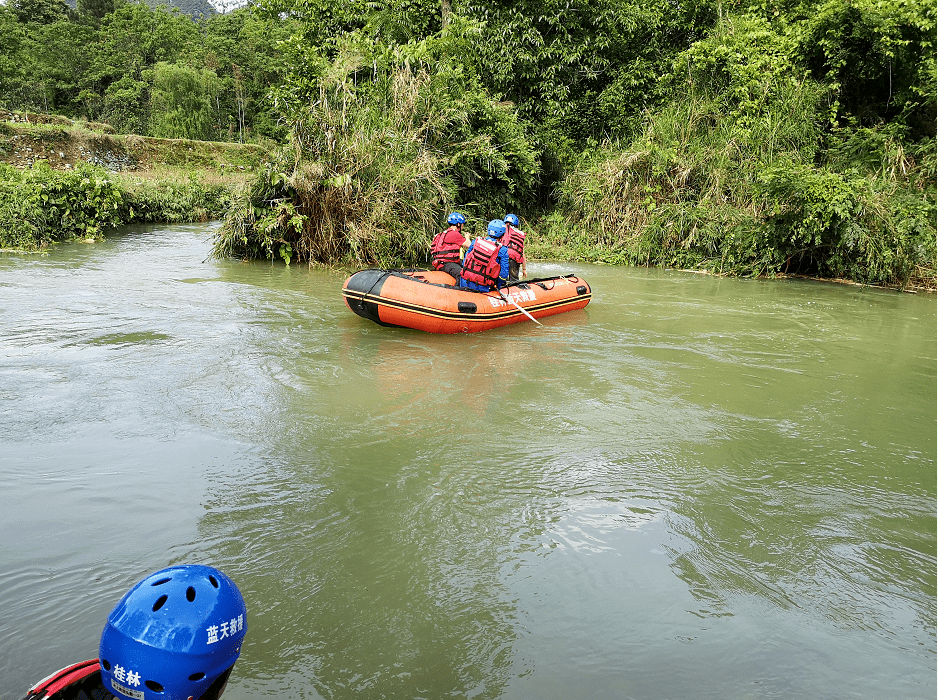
x=430 y=301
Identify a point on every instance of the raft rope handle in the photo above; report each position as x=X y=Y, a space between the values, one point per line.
x=375 y=284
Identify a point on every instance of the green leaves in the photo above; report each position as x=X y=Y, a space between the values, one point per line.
x=753 y=168
x=181 y=102
x=380 y=146
x=847 y=224
x=171 y=200
x=39 y=206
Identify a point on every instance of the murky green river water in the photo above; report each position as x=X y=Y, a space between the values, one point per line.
x=694 y=488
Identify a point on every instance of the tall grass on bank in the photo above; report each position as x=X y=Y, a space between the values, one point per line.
x=359 y=185
x=40 y=206
x=740 y=176
x=683 y=190
x=175 y=200
x=373 y=168
x=713 y=201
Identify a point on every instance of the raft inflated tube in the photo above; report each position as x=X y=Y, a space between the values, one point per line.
x=429 y=300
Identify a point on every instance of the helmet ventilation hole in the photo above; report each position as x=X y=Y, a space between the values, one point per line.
x=161 y=582
x=214 y=581
x=154 y=686
x=197 y=676
x=159 y=603
x=190 y=594
x=106 y=664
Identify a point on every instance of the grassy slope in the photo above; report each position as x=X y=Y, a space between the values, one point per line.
x=62 y=143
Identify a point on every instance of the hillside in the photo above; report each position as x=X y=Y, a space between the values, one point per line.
x=193 y=8
x=26 y=139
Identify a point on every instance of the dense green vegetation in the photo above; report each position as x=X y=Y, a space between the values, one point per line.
x=149 y=71
x=40 y=206
x=758 y=170
x=750 y=138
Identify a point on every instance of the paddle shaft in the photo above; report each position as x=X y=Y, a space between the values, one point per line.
x=507 y=297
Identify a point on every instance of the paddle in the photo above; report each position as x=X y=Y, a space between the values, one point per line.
x=507 y=297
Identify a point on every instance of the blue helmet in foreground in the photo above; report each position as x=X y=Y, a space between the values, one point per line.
x=173 y=634
x=455 y=219
x=496 y=228
x=512 y=219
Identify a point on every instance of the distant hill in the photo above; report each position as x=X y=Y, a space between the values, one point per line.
x=193 y=8
x=206 y=7
x=228 y=5
x=196 y=8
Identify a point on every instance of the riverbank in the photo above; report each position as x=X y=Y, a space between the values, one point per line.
x=64 y=180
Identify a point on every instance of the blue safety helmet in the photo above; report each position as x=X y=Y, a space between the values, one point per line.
x=173 y=634
x=455 y=219
x=496 y=228
x=511 y=219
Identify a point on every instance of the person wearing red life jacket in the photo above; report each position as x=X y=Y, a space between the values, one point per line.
x=514 y=242
x=486 y=264
x=174 y=636
x=446 y=248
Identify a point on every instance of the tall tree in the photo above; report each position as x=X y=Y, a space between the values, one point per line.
x=39 y=11
x=14 y=59
x=95 y=8
x=182 y=102
x=134 y=38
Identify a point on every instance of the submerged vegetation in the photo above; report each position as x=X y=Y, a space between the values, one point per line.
x=738 y=138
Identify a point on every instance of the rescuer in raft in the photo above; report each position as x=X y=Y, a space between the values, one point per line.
x=174 y=636
x=446 y=248
x=486 y=264
x=514 y=243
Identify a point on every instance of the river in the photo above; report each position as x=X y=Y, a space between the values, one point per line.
x=694 y=488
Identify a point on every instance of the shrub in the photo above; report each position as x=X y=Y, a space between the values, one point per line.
x=171 y=201
x=39 y=206
x=846 y=225
x=737 y=176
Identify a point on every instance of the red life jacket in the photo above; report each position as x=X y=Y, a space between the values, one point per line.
x=481 y=264
x=442 y=252
x=65 y=683
x=514 y=242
